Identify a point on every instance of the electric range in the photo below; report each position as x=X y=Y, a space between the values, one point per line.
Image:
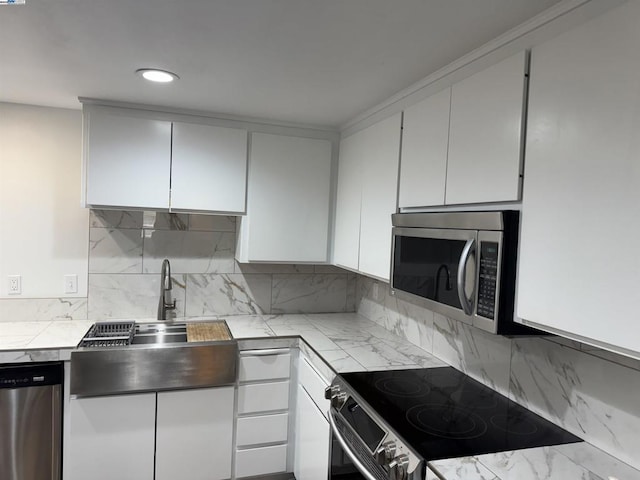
x=389 y=424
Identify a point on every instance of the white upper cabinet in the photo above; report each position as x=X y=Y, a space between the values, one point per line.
x=346 y=243
x=425 y=140
x=463 y=145
x=579 y=269
x=288 y=202
x=379 y=195
x=366 y=198
x=141 y=159
x=128 y=160
x=485 y=150
x=208 y=168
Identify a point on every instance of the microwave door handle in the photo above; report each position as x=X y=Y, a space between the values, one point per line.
x=467 y=304
x=347 y=449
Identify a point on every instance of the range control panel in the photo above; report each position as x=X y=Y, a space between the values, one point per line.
x=488 y=279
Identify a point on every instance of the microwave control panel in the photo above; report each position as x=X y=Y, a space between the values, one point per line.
x=488 y=279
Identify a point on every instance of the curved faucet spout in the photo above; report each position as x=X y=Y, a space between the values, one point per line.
x=166 y=285
x=165 y=275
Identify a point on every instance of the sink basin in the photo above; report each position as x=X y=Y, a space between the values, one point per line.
x=159 y=333
x=153 y=357
x=158 y=338
x=152 y=328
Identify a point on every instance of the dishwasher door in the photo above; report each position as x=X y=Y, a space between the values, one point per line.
x=31 y=421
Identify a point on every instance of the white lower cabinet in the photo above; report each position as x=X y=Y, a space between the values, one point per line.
x=111 y=437
x=263 y=422
x=312 y=440
x=264 y=367
x=193 y=434
x=182 y=434
x=261 y=461
x=263 y=397
x=314 y=384
x=262 y=429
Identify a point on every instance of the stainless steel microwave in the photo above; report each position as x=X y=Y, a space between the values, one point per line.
x=460 y=264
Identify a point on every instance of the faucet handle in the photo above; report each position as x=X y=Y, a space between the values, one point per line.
x=170 y=306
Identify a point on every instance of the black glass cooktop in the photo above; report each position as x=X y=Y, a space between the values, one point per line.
x=443 y=413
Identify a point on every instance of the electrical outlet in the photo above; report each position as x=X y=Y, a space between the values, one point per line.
x=15 y=284
x=71 y=283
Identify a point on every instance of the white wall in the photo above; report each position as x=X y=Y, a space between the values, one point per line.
x=44 y=231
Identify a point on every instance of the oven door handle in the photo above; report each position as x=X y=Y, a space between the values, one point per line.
x=347 y=449
x=467 y=304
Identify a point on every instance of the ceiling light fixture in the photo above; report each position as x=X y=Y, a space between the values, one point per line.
x=155 y=75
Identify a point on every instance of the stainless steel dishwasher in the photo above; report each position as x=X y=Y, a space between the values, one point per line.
x=31 y=421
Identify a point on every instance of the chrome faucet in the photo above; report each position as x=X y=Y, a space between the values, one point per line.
x=165 y=288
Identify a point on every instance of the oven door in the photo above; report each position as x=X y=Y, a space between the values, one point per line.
x=438 y=266
x=341 y=467
x=349 y=459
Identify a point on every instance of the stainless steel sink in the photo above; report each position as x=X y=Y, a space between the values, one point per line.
x=153 y=328
x=159 y=338
x=113 y=359
x=159 y=334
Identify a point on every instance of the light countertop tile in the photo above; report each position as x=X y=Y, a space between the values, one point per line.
x=342 y=342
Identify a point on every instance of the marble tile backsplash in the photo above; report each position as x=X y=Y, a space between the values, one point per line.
x=126 y=255
x=592 y=393
x=125 y=258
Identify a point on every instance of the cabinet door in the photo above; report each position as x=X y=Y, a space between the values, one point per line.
x=111 y=437
x=314 y=384
x=579 y=266
x=346 y=243
x=194 y=431
x=289 y=195
x=261 y=462
x=262 y=429
x=379 y=195
x=263 y=397
x=128 y=160
x=485 y=150
x=264 y=367
x=425 y=140
x=312 y=440
x=208 y=168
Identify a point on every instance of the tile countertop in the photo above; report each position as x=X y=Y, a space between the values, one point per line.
x=344 y=343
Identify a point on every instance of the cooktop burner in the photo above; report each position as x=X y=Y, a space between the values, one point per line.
x=443 y=413
x=448 y=422
x=401 y=387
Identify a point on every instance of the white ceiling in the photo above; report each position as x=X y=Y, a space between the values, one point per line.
x=316 y=62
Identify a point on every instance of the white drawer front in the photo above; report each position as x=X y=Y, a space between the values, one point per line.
x=314 y=384
x=262 y=429
x=261 y=461
x=263 y=397
x=264 y=367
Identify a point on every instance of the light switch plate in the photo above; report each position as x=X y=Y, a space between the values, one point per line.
x=71 y=283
